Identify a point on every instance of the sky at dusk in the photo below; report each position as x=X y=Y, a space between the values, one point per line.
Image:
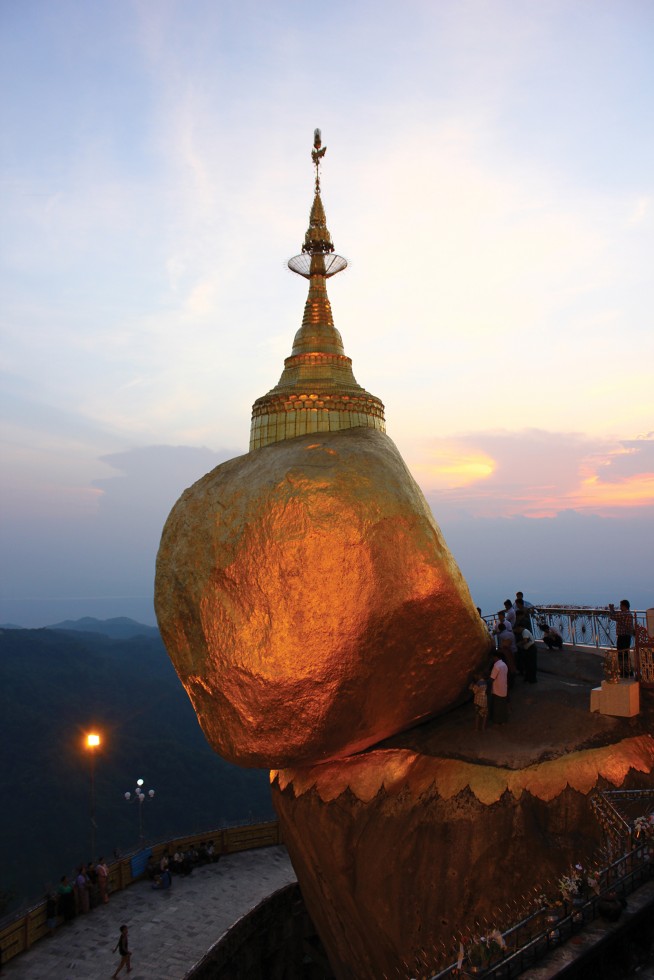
x=490 y=178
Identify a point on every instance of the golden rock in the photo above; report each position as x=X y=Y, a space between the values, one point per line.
x=309 y=602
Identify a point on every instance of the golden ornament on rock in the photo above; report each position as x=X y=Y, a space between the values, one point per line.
x=309 y=602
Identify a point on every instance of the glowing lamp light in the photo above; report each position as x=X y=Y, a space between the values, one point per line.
x=92 y=742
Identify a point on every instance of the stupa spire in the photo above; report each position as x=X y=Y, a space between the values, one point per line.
x=317 y=391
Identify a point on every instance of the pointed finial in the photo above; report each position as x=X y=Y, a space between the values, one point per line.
x=317 y=391
x=317 y=257
x=317 y=154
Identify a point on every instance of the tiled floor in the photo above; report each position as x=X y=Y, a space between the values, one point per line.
x=169 y=931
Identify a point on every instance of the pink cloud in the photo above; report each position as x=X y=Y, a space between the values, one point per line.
x=535 y=473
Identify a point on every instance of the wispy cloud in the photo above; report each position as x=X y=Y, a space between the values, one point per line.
x=642 y=211
x=539 y=474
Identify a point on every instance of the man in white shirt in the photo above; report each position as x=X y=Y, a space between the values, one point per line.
x=500 y=690
x=509 y=613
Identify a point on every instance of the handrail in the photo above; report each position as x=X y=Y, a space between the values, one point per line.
x=22 y=929
x=623 y=876
x=582 y=626
x=587 y=627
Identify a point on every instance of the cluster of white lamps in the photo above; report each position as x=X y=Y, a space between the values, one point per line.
x=139 y=795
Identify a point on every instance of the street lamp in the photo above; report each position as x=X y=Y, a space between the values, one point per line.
x=92 y=743
x=140 y=797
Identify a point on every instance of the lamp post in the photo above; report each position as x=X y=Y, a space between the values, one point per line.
x=140 y=797
x=92 y=743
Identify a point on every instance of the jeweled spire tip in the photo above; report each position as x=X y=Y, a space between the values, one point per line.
x=317 y=154
x=317 y=391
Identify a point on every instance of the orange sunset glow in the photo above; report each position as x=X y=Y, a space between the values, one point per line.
x=539 y=475
x=454 y=469
x=638 y=491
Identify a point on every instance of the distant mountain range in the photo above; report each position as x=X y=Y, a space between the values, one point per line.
x=56 y=684
x=120 y=628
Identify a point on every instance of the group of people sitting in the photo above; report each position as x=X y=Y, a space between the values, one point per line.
x=182 y=862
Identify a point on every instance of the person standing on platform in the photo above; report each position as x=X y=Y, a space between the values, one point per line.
x=82 y=890
x=479 y=688
x=529 y=656
x=486 y=625
x=522 y=618
x=507 y=653
x=93 y=889
x=624 y=630
x=509 y=612
x=51 y=913
x=103 y=880
x=66 y=899
x=501 y=626
x=123 y=948
x=499 y=691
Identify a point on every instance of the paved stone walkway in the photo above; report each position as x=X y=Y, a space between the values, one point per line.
x=169 y=931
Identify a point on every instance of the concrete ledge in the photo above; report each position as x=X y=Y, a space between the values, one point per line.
x=621 y=700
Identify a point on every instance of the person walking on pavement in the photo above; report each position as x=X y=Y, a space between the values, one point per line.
x=123 y=948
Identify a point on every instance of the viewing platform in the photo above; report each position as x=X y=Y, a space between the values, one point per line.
x=169 y=930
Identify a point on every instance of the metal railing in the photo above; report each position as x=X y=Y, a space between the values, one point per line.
x=529 y=940
x=581 y=626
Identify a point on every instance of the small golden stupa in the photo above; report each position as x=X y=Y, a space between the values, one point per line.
x=317 y=391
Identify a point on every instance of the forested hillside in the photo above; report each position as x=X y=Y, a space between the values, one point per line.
x=55 y=686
